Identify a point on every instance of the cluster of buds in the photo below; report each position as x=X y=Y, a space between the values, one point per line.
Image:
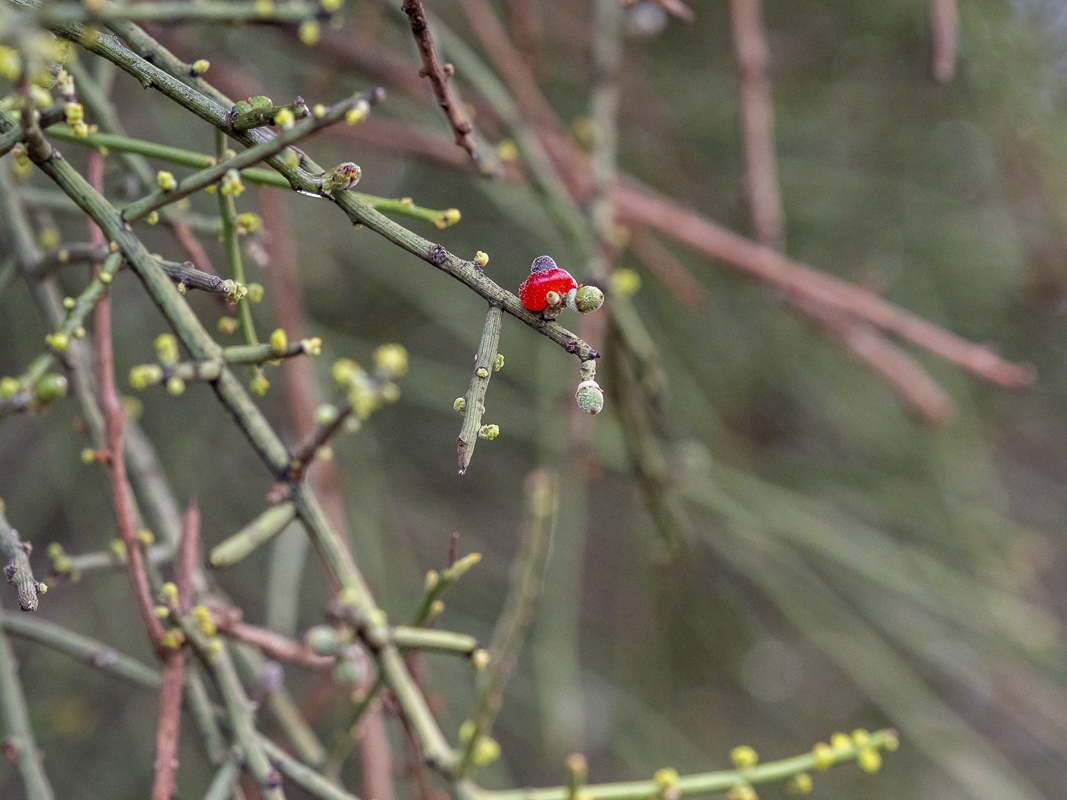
x=549 y=289
x=589 y=396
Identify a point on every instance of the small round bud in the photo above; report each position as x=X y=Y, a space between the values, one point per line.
x=742 y=791
x=227 y=325
x=507 y=150
x=231 y=184
x=330 y=6
x=625 y=282
x=489 y=432
x=358 y=112
x=480 y=659
x=166 y=348
x=799 y=784
x=201 y=65
x=460 y=405
x=146 y=537
x=318 y=111
x=69 y=303
x=348 y=671
x=308 y=33
x=50 y=388
x=58 y=342
x=498 y=363
x=255 y=292
x=869 y=760
x=588 y=298
x=145 y=375
x=482 y=372
x=824 y=756
x=175 y=385
x=260 y=101
x=466 y=730
x=432 y=579
x=666 y=779
x=326 y=414
x=486 y=751
x=322 y=640
x=450 y=216
x=481 y=259
x=152 y=218
x=259 y=384
x=840 y=742
x=105 y=278
x=166 y=180
x=391 y=359
x=553 y=298
x=312 y=346
x=279 y=342
x=744 y=757
x=88 y=455
x=860 y=737
x=590 y=397
x=345 y=371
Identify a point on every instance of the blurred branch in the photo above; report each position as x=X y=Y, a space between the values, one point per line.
x=944 y=33
x=184 y=12
x=527 y=579
x=484 y=365
x=438 y=77
x=18 y=571
x=757 y=123
x=17 y=723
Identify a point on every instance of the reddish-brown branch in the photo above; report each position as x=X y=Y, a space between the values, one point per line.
x=801 y=284
x=111 y=408
x=669 y=271
x=676 y=8
x=432 y=69
x=944 y=34
x=271 y=644
x=170 y=695
x=757 y=122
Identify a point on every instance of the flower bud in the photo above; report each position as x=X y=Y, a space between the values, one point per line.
x=590 y=397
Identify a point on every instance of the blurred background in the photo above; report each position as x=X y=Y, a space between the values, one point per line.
x=757 y=542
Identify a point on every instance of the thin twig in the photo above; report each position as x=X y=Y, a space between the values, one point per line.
x=484 y=363
x=944 y=35
x=438 y=76
x=18 y=571
x=527 y=578
x=271 y=644
x=16 y=718
x=114 y=418
x=757 y=122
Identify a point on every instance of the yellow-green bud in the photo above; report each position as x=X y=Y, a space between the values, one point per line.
x=480 y=659
x=279 y=342
x=322 y=640
x=105 y=278
x=840 y=742
x=260 y=101
x=69 y=303
x=231 y=182
x=255 y=292
x=450 y=216
x=168 y=594
x=175 y=385
x=259 y=384
x=167 y=348
x=345 y=371
x=824 y=756
x=50 y=388
x=391 y=359
x=201 y=65
x=860 y=737
x=460 y=405
x=285 y=117
x=481 y=259
x=486 y=751
x=744 y=757
x=308 y=33
x=227 y=325
x=358 y=112
x=588 y=298
x=166 y=180
x=326 y=414
x=665 y=779
x=8 y=386
x=330 y=6
x=489 y=432
x=869 y=760
x=145 y=375
x=799 y=784
x=742 y=791
x=498 y=363
x=88 y=455
x=58 y=342
x=146 y=537
x=152 y=218
x=625 y=282
x=482 y=372
x=318 y=111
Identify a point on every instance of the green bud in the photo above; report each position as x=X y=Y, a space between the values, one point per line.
x=590 y=397
x=50 y=388
x=260 y=101
x=588 y=298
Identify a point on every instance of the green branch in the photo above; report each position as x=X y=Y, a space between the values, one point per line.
x=18 y=571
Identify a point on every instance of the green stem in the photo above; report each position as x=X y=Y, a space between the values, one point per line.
x=308 y=778
x=17 y=724
x=18 y=571
x=182 y=12
x=88 y=651
x=260 y=530
x=702 y=783
x=409 y=638
x=542 y=497
x=475 y=399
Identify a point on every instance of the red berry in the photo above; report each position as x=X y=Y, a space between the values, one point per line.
x=544 y=278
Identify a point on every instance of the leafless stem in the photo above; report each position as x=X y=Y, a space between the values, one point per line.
x=438 y=75
x=944 y=32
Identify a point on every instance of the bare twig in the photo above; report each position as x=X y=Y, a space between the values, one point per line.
x=438 y=76
x=757 y=122
x=944 y=33
x=114 y=416
x=484 y=363
x=271 y=644
x=18 y=571
x=170 y=695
